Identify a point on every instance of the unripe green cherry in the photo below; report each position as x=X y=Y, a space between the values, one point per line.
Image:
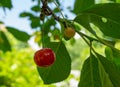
x=69 y=32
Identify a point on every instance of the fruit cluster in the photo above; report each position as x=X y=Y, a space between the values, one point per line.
x=46 y=56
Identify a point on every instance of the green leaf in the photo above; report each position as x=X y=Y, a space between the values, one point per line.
x=106 y=17
x=114 y=52
x=81 y=5
x=35 y=22
x=36 y=8
x=118 y=1
x=93 y=74
x=20 y=35
x=105 y=79
x=48 y=23
x=108 y=53
x=60 y=70
x=4 y=43
x=111 y=69
x=106 y=10
x=113 y=55
x=84 y=20
x=90 y=73
x=26 y=14
x=116 y=56
x=6 y=4
x=108 y=28
x=72 y=41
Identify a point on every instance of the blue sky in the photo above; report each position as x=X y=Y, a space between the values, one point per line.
x=11 y=18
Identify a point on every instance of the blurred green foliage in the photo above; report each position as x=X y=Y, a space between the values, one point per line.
x=17 y=68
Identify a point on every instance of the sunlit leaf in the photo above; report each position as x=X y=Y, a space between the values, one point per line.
x=111 y=69
x=114 y=52
x=108 y=28
x=105 y=16
x=60 y=70
x=108 y=53
x=84 y=20
x=93 y=74
x=118 y=1
x=113 y=55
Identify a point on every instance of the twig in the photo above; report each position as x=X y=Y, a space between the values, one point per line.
x=55 y=17
x=48 y=10
x=90 y=38
x=59 y=9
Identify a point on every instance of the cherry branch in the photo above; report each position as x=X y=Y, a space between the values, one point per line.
x=48 y=11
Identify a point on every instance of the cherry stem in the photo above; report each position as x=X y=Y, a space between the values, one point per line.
x=57 y=18
x=89 y=38
x=98 y=39
x=42 y=30
x=59 y=9
x=93 y=39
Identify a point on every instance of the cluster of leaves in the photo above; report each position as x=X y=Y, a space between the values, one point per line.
x=98 y=70
x=6 y=4
x=101 y=71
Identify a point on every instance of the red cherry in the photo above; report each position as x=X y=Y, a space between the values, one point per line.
x=44 y=57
